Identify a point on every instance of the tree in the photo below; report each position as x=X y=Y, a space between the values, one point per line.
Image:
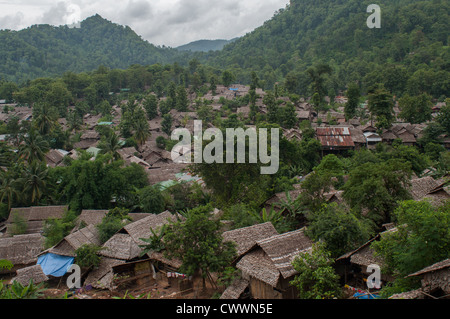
x=443 y=117
x=34 y=181
x=44 y=117
x=272 y=107
x=111 y=223
x=166 y=124
x=151 y=200
x=317 y=278
x=381 y=105
x=316 y=74
x=182 y=101
x=151 y=106
x=198 y=243
x=141 y=130
x=9 y=189
x=110 y=144
x=422 y=239
x=377 y=187
x=34 y=147
x=415 y=109
x=227 y=78
x=339 y=228
x=353 y=95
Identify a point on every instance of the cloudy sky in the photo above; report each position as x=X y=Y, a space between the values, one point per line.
x=161 y=22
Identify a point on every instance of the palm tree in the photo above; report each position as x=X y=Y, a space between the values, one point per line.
x=141 y=131
x=44 y=117
x=34 y=147
x=110 y=144
x=34 y=181
x=9 y=189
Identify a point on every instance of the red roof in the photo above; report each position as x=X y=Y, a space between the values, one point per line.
x=331 y=137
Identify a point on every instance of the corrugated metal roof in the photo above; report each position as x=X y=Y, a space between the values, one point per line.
x=335 y=137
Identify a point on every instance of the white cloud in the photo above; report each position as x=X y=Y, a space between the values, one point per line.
x=162 y=22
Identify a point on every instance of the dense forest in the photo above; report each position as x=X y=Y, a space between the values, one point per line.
x=409 y=53
x=45 y=50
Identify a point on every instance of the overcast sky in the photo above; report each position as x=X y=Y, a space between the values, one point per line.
x=161 y=22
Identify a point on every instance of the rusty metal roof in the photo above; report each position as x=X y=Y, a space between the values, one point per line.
x=335 y=136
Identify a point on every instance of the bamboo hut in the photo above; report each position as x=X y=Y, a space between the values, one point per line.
x=268 y=267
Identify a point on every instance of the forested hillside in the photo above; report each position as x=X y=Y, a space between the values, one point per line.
x=408 y=53
x=205 y=45
x=44 y=50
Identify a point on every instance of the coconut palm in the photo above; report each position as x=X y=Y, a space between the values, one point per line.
x=44 y=117
x=34 y=181
x=34 y=147
x=9 y=189
x=110 y=144
x=141 y=131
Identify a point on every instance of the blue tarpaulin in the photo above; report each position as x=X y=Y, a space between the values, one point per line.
x=365 y=296
x=55 y=265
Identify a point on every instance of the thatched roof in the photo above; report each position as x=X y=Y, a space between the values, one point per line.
x=121 y=246
x=36 y=216
x=70 y=243
x=273 y=257
x=34 y=273
x=21 y=249
x=142 y=228
x=246 y=238
x=258 y=265
x=282 y=249
x=102 y=277
x=414 y=294
x=235 y=290
x=159 y=256
x=435 y=267
x=428 y=188
x=92 y=217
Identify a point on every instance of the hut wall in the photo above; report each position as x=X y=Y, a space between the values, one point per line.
x=261 y=290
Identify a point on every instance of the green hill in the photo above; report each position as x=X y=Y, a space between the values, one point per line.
x=44 y=50
x=409 y=52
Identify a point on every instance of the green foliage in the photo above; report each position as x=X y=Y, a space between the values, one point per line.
x=377 y=187
x=198 y=243
x=19 y=225
x=87 y=256
x=339 y=228
x=151 y=200
x=155 y=242
x=56 y=229
x=317 y=278
x=93 y=184
x=422 y=238
x=415 y=109
x=113 y=221
x=17 y=291
x=6 y=264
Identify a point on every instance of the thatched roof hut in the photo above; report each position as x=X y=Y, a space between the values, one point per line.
x=22 y=249
x=247 y=237
x=269 y=268
x=102 y=277
x=25 y=275
x=235 y=290
x=125 y=244
x=67 y=247
x=121 y=246
x=142 y=228
x=34 y=217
